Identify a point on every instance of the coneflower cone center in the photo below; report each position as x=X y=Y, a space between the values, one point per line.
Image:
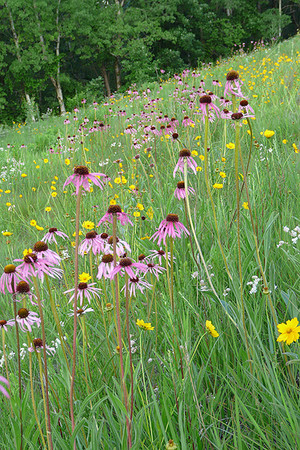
x=114 y=209
x=91 y=235
x=40 y=246
x=104 y=236
x=172 y=218
x=125 y=262
x=22 y=287
x=107 y=259
x=23 y=313
x=81 y=170
x=236 y=116
x=180 y=185
x=82 y=286
x=184 y=152
x=111 y=240
x=38 y=342
x=2 y=322
x=52 y=230
x=134 y=280
x=30 y=258
x=244 y=103
x=10 y=268
x=232 y=75
x=206 y=99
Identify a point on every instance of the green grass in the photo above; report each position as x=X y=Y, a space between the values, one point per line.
x=200 y=391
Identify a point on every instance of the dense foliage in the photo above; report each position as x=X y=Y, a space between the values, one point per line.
x=54 y=53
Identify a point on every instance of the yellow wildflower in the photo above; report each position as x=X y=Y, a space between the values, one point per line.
x=84 y=277
x=269 y=133
x=289 y=331
x=231 y=146
x=145 y=326
x=33 y=223
x=88 y=225
x=211 y=329
x=218 y=186
x=245 y=205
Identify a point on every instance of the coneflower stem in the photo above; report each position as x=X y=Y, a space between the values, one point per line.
x=129 y=344
x=119 y=330
x=172 y=273
x=43 y=393
x=48 y=421
x=75 y=312
x=6 y=365
x=19 y=371
x=209 y=190
x=236 y=165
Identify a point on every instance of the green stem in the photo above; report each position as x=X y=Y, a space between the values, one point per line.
x=19 y=370
x=6 y=366
x=43 y=393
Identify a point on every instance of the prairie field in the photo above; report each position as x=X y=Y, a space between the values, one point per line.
x=149 y=282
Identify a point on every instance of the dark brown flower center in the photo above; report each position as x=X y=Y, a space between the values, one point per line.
x=30 y=258
x=79 y=311
x=175 y=135
x=81 y=170
x=23 y=287
x=38 y=342
x=110 y=240
x=91 y=235
x=114 y=209
x=150 y=265
x=40 y=246
x=161 y=252
x=225 y=111
x=180 y=184
x=184 y=152
x=104 y=236
x=107 y=259
x=125 y=262
x=134 y=280
x=52 y=230
x=142 y=257
x=172 y=218
x=10 y=268
x=2 y=322
x=82 y=286
x=206 y=99
x=244 y=103
x=236 y=116
x=23 y=313
x=232 y=75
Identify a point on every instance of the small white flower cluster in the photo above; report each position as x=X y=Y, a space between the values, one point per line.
x=263 y=152
x=12 y=168
x=133 y=344
x=65 y=254
x=254 y=284
x=295 y=235
x=226 y=292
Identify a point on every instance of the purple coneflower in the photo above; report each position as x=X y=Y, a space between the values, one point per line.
x=36 y=267
x=2 y=389
x=50 y=236
x=185 y=154
x=121 y=248
x=4 y=323
x=43 y=252
x=136 y=283
x=22 y=289
x=106 y=266
x=245 y=108
x=154 y=269
x=38 y=347
x=233 y=85
x=80 y=312
x=84 y=291
x=127 y=264
x=117 y=211
x=92 y=242
x=26 y=319
x=9 y=279
x=160 y=254
x=82 y=176
x=180 y=190
x=171 y=227
x=205 y=100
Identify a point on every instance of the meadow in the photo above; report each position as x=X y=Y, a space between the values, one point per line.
x=155 y=304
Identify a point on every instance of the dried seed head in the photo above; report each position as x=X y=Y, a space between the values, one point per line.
x=23 y=313
x=180 y=185
x=40 y=246
x=232 y=75
x=37 y=342
x=125 y=262
x=206 y=99
x=236 y=116
x=10 y=268
x=23 y=287
x=104 y=236
x=91 y=235
x=184 y=152
x=81 y=170
x=172 y=218
x=244 y=103
x=107 y=259
x=82 y=286
x=52 y=230
x=114 y=209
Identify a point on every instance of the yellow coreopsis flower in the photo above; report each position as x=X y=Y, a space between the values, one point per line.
x=27 y=251
x=231 y=146
x=23 y=175
x=6 y=233
x=245 y=205
x=222 y=174
x=33 y=223
x=136 y=214
x=140 y=206
x=289 y=331
x=84 y=277
x=145 y=326
x=39 y=228
x=48 y=208
x=211 y=329
x=88 y=225
x=218 y=186
x=296 y=148
x=53 y=194
x=269 y=133
x=67 y=161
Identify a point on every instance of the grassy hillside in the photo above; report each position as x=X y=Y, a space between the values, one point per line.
x=238 y=268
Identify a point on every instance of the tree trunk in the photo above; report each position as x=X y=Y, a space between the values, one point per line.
x=106 y=80
x=18 y=53
x=118 y=72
